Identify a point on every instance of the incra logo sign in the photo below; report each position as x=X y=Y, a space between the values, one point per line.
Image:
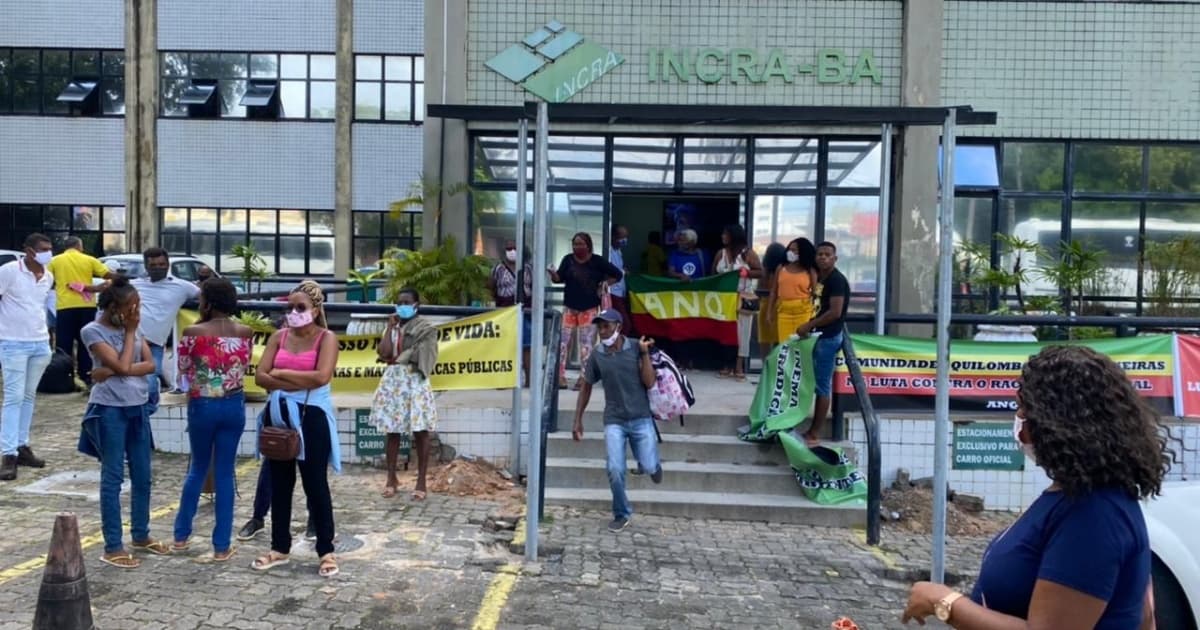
x=554 y=63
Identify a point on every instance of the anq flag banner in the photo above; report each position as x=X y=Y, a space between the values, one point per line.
x=477 y=352
x=703 y=309
x=901 y=372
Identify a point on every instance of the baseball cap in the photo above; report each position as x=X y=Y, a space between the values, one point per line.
x=610 y=315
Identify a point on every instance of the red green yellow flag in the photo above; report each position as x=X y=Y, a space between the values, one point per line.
x=666 y=308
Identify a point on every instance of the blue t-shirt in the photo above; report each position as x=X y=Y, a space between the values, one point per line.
x=1095 y=544
x=690 y=264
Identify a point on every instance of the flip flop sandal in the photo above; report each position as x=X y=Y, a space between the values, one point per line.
x=270 y=561
x=181 y=545
x=156 y=547
x=328 y=567
x=223 y=556
x=418 y=495
x=389 y=492
x=121 y=561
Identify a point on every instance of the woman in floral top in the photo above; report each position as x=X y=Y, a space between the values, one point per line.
x=213 y=355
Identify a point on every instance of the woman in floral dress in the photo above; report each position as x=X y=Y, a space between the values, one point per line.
x=404 y=401
x=213 y=355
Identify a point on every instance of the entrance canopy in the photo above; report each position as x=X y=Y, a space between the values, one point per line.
x=735 y=115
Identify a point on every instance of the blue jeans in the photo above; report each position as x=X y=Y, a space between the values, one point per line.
x=156 y=351
x=124 y=435
x=23 y=363
x=641 y=437
x=215 y=427
x=824 y=359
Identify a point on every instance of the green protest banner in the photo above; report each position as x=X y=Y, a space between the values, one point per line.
x=784 y=397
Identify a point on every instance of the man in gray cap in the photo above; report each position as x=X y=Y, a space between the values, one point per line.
x=625 y=368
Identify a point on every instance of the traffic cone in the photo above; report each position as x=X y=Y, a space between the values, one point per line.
x=63 y=602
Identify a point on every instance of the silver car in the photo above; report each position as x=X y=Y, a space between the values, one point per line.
x=183 y=266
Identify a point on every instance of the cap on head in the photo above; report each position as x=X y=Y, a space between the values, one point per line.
x=611 y=316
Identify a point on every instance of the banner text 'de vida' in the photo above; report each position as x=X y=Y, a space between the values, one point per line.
x=687 y=304
x=477 y=352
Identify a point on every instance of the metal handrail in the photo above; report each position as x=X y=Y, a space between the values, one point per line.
x=874 y=448
x=549 y=423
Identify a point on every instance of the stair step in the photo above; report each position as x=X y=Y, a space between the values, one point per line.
x=677 y=476
x=717 y=505
x=677 y=448
x=699 y=424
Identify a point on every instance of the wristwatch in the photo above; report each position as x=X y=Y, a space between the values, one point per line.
x=943 y=608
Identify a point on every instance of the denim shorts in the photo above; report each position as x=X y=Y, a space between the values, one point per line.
x=824 y=359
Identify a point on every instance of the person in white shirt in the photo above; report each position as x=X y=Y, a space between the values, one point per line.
x=162 y=296
x=617 y=290
x=25 y=348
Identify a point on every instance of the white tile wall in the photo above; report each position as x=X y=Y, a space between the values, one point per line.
x=65 y=23
x=260 y=25
x=387 y=161
x=62 y=160
x=909 y=443
x=389 y=26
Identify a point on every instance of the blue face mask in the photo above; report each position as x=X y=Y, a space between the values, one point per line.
x=622 y=242
x=406 y=311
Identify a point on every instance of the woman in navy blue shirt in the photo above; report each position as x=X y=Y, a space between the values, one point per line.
x=584 y=277
x=1079 y=557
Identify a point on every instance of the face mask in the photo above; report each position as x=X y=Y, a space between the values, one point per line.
x=157 y=274
x=299 y=319
x=1018 y=423
x=406 y=311
x=793 y=257
x=608 y=342
x=511 y=255
x=621 y=243
x=43 y=258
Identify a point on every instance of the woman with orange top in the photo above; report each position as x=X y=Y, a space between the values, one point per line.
x=791 y=301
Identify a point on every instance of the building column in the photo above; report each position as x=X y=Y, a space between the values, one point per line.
x=445 y=143
x=141 y=124
x=343 y=159
x=913 y=268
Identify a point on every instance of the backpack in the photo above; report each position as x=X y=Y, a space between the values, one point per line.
x=59 y=377
x=672 y=394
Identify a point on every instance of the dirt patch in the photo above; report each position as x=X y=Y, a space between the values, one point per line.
x=914 y=506
x=474 y=478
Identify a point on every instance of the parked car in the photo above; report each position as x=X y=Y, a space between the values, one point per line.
x=1175 y=568
x=9 y=255
x=183 y=266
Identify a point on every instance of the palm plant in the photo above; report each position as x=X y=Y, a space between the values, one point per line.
x=364 y=280
x=254 y=266
x=439 y=274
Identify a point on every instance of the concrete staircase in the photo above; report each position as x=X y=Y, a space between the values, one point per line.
x=708 y=473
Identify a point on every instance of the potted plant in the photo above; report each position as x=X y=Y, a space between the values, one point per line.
x=439 y=274
x=254 y=266
x=1009 y=276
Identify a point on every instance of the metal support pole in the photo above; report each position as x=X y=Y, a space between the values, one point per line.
x=537 y=370
x=881 y=250
x=941 y=425
x=514 y=444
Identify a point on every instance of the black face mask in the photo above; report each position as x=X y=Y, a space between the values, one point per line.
x=157 y=274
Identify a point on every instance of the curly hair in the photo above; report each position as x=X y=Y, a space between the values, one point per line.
x=219 y=295
x=1089 y=428
x=314 y=293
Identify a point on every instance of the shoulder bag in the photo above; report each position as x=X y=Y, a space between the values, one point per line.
x=282 y=444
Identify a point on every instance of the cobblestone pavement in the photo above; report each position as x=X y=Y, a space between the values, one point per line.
x=431 y=564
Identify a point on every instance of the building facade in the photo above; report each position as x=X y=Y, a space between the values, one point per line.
x=1097 y=136
x=289 y=125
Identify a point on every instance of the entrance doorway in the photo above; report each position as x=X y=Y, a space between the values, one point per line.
x=643 y=214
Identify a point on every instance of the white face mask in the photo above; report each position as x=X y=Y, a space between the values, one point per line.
x=43 y=258
x=792 y=257
x=611 y=339
x=1018 y=423
x=511 y=255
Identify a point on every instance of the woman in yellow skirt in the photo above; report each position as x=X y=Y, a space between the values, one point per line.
x=773 y=259
x=791 y=303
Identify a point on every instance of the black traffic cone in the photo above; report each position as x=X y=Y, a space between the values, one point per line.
x=63 y=602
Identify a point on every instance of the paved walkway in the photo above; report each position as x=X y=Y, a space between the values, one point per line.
x=434 y=564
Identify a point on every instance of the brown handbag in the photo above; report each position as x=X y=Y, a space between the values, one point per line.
x=282 y=444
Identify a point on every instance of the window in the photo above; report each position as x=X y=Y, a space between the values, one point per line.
x=389 y=88
x=377 y=232
x=291 y=242
x=62 y=82
x=101 y=228
x=248 y=85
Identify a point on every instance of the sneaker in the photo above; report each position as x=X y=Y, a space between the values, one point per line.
x=310 y=532
x=618 y=524
x=25 y=457
x=8 y=468
x=250 y=529
x=657 y=475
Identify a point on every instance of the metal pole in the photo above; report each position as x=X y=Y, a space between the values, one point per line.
x=881 y=250
x=941 y=425
x=533 y=480
x=514 y=444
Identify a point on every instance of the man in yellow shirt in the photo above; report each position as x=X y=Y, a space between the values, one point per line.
x=75 y=292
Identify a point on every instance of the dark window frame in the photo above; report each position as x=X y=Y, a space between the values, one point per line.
x=104 y=81
x=164 y=77
x=248 y=234
x=383 y=239
x=12 y=234
x=416 y=113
